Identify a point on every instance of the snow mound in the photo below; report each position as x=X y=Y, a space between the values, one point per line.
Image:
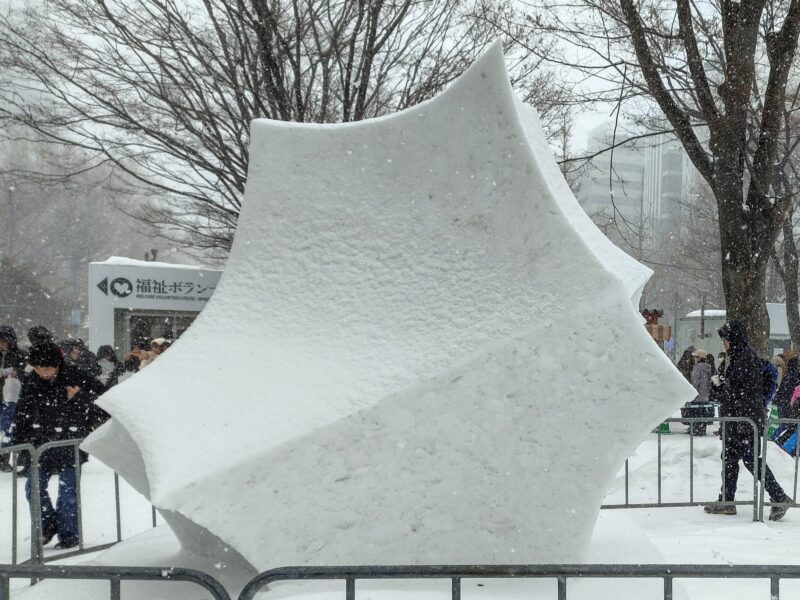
x=396 y=366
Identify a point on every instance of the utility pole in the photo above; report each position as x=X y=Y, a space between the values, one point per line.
x=11 y=223
x=703 y=316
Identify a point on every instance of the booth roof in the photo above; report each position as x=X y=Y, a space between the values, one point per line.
x=778 y=324
x=132 y=262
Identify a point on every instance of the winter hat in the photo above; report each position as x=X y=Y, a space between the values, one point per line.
x=39 y=335
x=735 y=332
x=70 y=343
x=45 y=355
x=7 y=333
x=699 y=353
x=106 y=352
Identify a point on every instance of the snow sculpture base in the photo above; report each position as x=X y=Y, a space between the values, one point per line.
x=421 y=351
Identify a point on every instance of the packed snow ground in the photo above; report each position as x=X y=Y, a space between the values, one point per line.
x=659 y=535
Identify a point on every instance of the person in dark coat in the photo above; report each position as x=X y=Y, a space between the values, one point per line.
x=56 y=403
x=789 y=382
x=12 y=370
x=710 y=361
x=38 y=335
x=110 y=365
x=686 y=363
x=742 y=395
x=78 y=355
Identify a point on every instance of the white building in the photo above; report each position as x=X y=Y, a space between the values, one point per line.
x=133 y=300
x=669 y=180
x=699 y=329
x=614 y=181
x=644 y=185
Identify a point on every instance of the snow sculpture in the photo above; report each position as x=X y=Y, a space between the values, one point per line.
x=421 y=351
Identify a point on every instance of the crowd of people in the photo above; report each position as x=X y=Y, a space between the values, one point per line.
x=744 y=386
x=49 y=392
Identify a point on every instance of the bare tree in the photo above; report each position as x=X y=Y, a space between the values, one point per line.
x=690 y=256
x=164 y=90
x=707 y=68
x=785 y=256
x=51 y=232
x=27 y=301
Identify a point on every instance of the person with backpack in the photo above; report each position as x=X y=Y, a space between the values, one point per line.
x=742 y=393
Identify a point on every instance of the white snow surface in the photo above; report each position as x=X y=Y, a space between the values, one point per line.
x=714 y=312
x=384 y=367
x=124 y=261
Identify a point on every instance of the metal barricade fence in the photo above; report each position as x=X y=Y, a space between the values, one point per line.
x=560 y=573
x=756 y=503
x=765 y=446
x=37 y=554
x=36 y=549
x=114 y=575
x=14 y=452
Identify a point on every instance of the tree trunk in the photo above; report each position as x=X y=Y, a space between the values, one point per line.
x=790 y=275
x=745 y=249
x=743 y=282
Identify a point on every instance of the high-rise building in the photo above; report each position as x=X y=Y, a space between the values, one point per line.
x=612 y=187
x=643 y=186
x=669 y=182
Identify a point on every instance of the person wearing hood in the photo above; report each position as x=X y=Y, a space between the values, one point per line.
x=56 y=404
x=38 y=335
x=12 y=370
x=742 y=395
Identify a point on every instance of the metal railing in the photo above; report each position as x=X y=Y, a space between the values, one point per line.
x=560 y=573
x=114 y=575
x=36 y=548
x=37 y=554
x=14 y=453
x=765 y=446
x=760 y=454
x=755 y=502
